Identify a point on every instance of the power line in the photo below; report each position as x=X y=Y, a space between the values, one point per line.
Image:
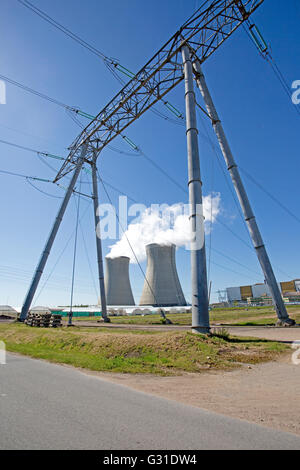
x=63 y=29
x=263 y=49
x=231 y=191
x=37 y=93
x=107 y=183
x=89 y=261
x=219 y=160
x=215 y=250
x=43 y=180
x=43 y=192
x=268 y=193
x=28 y=149
x=112 y=64
x=234 y=261
x=231 y=270
x=60 y=256
x=139 y=152
x=35 y=178
x=131 y=247
x=74 y=261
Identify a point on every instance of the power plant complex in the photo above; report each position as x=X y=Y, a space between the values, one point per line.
x=161 y=287
x=117 y=282
x=289 y=290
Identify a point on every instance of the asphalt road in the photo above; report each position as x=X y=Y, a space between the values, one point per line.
x=46 y=406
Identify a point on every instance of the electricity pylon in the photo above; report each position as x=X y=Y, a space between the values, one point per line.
x=199 y=37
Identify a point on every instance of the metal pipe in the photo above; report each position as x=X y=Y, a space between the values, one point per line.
x=98 y=241
x=243 y=198
x=43 y=260
x=200 y=310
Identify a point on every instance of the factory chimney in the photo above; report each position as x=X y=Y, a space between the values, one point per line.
x=162 y=286
x=117 y=283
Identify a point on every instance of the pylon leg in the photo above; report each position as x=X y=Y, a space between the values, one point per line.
x=43 y=260
x=99 y=244
x=254 y=231
x=200 y=304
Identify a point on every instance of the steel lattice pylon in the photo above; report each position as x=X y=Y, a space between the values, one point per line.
x=180 y=58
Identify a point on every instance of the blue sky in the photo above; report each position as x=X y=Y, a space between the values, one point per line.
x=260 y=122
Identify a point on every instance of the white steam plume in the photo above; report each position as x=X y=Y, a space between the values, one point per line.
x=167 y=226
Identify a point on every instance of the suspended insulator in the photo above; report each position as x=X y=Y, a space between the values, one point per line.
x=173 y=109
x=50 y=155
x=132 y=144
x=86 y=115
x=258 y=39
x=125 y=70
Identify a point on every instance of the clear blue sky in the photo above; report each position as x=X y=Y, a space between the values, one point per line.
x=260 y=122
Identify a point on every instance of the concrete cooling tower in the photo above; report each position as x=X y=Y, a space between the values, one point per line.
x=117 y=283
x=163 y=287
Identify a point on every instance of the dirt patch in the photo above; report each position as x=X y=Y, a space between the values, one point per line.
x=267 y=394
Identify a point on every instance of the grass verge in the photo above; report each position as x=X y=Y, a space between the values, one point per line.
x=251 y=316
x=161 y=353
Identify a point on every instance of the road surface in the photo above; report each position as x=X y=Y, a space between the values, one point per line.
x=47 y=406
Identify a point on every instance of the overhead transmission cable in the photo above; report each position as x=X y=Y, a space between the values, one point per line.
x=104 y=183
x=38 y=152
x=61 y=255
x=88 y=260
x=74 y=261
x=268 y=193
x=219 y=160
x=42 y=180
x=131 y=247
x=263 y=48
x=109 y=62
x=136 y=148
x=215 y=150
x=112 y=64
x=37 y=93
x=139 y=152
x=250 y=177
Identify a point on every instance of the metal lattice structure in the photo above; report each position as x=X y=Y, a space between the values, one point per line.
x=205 y=31
x=179 y=59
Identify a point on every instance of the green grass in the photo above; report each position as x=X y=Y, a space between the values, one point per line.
x=252 y=316
x=161 y=353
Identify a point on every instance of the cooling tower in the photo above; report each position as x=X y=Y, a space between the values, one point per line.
x=163 y=287
x=117 y=283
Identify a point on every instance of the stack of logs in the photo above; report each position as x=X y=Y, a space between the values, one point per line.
x=43 y=320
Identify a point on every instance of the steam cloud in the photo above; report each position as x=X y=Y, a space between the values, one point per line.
x=164 y=227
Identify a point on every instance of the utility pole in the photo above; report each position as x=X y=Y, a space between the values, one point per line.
x=255 y=235
x=200 y=310
x=42 y=263
x=98 y=240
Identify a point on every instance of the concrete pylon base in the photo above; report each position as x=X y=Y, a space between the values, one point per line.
x=202 y=330
x=104 y=320
x=288 y=323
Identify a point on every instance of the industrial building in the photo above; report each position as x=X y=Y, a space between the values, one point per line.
x=117 y=282
x=260 y=291
x=6 y=312
x=162 y=286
